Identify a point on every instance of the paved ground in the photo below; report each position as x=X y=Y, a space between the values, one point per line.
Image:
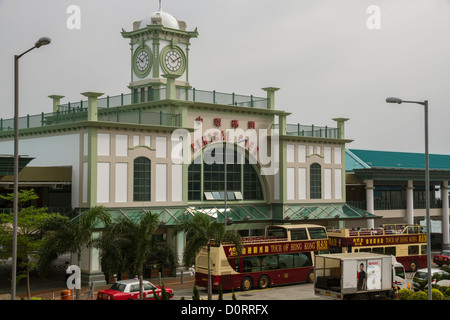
x=54 y=283
x=52 y=286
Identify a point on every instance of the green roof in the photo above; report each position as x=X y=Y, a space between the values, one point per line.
x=248 y=213
x=365 y=159
x=7 y=164
x=325 y=212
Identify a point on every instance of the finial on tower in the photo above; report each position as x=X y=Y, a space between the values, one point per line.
x=160 y=7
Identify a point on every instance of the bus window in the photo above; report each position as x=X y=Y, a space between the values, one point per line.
x=269 y=262
x=276 y=232
x=302 y=259
x=424 y=249
x=390 y=251
x=250 y=264
x=299 y=234
x=413 y=250
x=378 y=250
x=317 y=233
x=286 y=261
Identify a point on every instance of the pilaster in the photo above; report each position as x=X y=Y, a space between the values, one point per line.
x=92 y=148
x=410 y=203
x=271 y=97
x=56 y=102
x=445 y=216
x=370 y=208
x=283 y=155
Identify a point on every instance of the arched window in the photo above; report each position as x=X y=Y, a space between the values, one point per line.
x=315 y=181
x=243 y=182
x=142 y=179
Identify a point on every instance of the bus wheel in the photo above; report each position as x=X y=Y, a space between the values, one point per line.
x=246 y=284
x=413 y=266
x=263 y=282
x=310 y=277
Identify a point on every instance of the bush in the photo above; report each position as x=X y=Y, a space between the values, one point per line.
x=196 y=295
x=403 y=294
x=436 y=294
x=447 y=292
x=220 y=293
x=419 y=295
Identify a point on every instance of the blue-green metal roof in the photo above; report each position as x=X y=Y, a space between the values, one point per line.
x=366 y=159
x=7 y=164
x=248 y=213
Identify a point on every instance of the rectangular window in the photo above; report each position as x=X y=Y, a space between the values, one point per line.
x=317 y=233
x=413 y=250
x=299 y=234
x=315 y=181
x=390 y=251
x=142 y=181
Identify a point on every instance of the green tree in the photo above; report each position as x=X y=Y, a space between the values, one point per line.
x=131 y=243
x=196 y=294
x=201 y=232
x=29 y=238
x=75 y=235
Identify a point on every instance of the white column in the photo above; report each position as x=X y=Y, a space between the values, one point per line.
x=180 y=246
x=369 y=201
x=410 y=203
x=445 y=217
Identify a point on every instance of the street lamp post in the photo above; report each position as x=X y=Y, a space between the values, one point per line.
x=427 y=185
x=41 y=42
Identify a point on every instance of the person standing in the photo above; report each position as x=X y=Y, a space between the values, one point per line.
x=68 y=272
x=361 y=278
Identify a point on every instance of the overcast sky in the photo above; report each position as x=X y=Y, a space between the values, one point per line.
x=322 y=55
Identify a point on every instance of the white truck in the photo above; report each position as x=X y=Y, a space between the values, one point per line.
x=359 y=275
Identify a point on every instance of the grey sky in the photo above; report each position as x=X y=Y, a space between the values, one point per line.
x=321 y=54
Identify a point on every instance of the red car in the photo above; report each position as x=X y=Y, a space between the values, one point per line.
x=129 y=290
x=443 y=258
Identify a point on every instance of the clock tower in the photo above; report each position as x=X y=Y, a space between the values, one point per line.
x=159 y=45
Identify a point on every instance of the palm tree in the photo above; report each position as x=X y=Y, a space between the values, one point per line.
x=130 y=244
x=63 y=235
x=201 y=231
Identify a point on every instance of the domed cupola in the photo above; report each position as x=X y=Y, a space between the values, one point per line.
x=161 y=18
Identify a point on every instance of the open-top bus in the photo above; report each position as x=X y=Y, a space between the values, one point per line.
x=408 y=243
x=284 y=255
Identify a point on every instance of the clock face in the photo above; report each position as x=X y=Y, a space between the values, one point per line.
x=142 y=61
x=172 y=60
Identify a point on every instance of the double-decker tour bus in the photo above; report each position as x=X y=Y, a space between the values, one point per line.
x=284 y=255
x=408 y=243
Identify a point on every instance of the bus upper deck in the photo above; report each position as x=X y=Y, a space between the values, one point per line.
x=384 y=230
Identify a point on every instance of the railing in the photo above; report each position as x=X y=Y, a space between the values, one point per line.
x=108 y=108
x=310 y=131
x=79 y=113
x=386 y=229
x=395 y=204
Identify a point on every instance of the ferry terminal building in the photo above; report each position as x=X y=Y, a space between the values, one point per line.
x=160 y=148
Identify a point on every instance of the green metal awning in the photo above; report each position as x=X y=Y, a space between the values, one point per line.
x=7 y=164
x=248 y=213
x=324 y=212
x=172 y=216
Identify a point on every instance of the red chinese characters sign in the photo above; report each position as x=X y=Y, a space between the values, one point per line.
x=277 y=248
